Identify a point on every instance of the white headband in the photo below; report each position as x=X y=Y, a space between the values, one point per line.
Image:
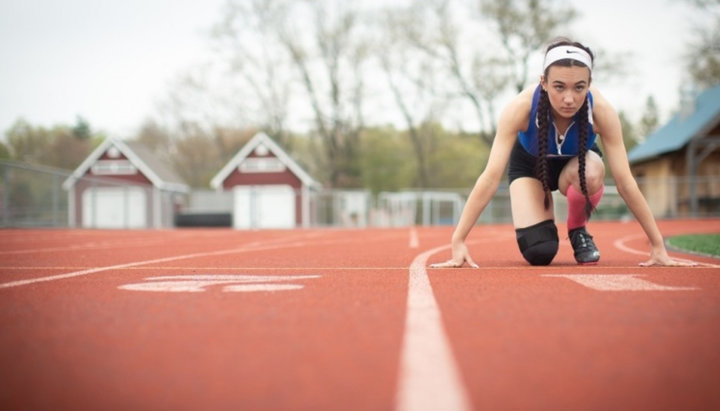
x=567 y=52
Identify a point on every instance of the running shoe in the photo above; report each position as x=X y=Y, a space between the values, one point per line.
x=586 y=252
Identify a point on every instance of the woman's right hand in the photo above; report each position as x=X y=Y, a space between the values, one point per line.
x=460 y=255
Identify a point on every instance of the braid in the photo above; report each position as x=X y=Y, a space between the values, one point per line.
x=582 y=151
x=541 y=164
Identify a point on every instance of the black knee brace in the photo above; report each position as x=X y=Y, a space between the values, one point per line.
x=538 y=243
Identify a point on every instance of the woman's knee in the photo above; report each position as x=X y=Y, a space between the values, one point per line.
x=538 y=243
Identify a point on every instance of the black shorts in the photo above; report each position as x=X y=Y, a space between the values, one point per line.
x=522 y=164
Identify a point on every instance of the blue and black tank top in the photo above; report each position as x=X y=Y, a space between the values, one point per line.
x=557 y=147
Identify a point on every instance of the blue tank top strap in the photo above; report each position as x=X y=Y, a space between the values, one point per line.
x=570 y=144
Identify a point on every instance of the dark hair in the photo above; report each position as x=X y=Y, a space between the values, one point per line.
x=544 y=119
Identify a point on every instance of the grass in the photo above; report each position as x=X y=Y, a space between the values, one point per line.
x=708 y=244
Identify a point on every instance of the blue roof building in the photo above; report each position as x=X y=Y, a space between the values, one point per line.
x=678 y=166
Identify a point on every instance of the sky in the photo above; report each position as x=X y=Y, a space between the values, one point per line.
x=112 y=61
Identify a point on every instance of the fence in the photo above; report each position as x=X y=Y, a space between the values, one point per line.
x=32 y=196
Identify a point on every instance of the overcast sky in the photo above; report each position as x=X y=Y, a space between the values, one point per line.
x=112 y=62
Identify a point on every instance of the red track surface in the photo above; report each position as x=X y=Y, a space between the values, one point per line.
x=519 y=337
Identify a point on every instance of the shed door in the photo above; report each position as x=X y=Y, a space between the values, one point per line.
x=114 y=207
x=271 y=206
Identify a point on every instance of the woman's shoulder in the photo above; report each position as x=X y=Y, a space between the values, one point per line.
x=604 y=113
x=601 y=105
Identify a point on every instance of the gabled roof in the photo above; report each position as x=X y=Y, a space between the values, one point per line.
x=681 y=128
x=257 y=140
x=159 y=173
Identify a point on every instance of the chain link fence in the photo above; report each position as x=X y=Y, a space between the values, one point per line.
x=32 y=196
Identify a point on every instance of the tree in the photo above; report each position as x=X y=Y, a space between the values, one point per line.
x=246 y=39
x=630 y=135
x=386 y=160
x=321 y=42
x=411 y=79
x=435 y=29
x=703 y=57
x=650 y=118
x=59 y=146
x=524 y=27
x=81 y=130
x=156 y=138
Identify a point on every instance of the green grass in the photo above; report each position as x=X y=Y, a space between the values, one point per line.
x=698 y=243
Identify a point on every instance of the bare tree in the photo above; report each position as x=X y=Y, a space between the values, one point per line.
x=329 y=62
x=703 y=57
x=445 y=31
x=523 y=27
x=246 y=40
x=411 y=76
x=302 y=58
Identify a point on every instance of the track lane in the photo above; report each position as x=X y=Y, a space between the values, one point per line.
x=336 y=343
x=309 y=349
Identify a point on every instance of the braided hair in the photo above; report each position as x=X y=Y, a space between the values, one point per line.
x=544 y=119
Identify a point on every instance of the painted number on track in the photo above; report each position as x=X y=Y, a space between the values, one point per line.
x=229 y=283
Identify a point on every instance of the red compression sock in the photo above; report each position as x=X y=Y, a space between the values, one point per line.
x=576 y=206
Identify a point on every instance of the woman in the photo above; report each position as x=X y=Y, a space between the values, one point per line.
x=548 y=134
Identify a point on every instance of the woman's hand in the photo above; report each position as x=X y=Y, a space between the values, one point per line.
x=460 y=255
x=660 y=257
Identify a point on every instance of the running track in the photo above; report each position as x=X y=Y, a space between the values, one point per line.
x=351 y=320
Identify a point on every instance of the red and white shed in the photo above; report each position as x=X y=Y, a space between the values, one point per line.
x=270 y=190
x=122 y=184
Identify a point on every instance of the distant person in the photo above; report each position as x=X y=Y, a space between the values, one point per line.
x=548 y=134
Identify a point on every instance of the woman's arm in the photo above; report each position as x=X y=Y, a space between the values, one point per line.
x=607 y=124
x=513 y=119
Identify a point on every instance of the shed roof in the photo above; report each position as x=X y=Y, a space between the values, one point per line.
x=273 y=147
x=681 y=128
x=158 y=172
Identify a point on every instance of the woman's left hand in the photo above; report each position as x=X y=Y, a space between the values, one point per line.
x=662 y=258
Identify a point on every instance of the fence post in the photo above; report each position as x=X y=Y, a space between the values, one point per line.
x=6 y=195
x=55 y=200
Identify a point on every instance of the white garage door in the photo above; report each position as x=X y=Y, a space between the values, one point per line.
x=264 y=207
x=114 y=207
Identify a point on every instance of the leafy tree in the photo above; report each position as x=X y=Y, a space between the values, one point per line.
x=60 y=146
x=81 y=130
x=457 y=159
x=4 y=151
x=630 y=135
x=650 y=118
x=386 y=162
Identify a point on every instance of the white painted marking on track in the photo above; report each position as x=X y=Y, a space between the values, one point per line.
x=618 y=282
x=232 y=283
x=414 y=239
x=620 y=245
x=246 y=248
x=429 y=378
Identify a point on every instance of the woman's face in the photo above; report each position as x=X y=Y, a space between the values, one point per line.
x=566 y=88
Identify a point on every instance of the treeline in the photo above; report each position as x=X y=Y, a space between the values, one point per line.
x=385 y=95
x=384 y=160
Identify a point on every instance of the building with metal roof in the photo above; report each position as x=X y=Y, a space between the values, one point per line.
x=678 y=166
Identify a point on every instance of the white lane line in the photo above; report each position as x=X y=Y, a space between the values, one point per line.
x=618 y=282
x=414 y=239
x=429 y=378
x=248 y=247
x=621 y=245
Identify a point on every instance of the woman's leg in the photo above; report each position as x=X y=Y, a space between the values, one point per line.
x=534 y=226
x=569 y=184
